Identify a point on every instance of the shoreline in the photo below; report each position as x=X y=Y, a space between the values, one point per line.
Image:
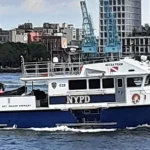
x=10 y=70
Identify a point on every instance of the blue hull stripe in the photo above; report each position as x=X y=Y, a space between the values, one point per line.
x=123 y=116
x=126 y=116
x=37 y=119
x=94 y=99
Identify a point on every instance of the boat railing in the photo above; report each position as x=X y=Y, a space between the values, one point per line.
x=47 y=68
x=44 y=69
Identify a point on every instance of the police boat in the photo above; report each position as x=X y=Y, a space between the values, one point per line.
x=106 y=95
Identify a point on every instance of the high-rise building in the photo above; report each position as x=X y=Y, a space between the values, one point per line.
x=128 y=17
x=74 y=35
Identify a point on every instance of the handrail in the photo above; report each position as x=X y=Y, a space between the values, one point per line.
x=42 y=69
x=48 y=68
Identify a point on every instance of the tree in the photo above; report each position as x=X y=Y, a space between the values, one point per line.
x=10 y=53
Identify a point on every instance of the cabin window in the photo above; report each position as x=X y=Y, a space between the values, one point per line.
x=147 y=82
x=108 y=83
x=119 y=82
x=77 y=85
x=134 y=82
x=94 y=83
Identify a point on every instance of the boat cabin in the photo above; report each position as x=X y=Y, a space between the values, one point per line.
x=118 y=82
x=89 y=86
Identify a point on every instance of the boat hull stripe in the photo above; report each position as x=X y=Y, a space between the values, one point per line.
x=93 y=99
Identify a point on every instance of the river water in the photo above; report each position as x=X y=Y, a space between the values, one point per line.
x=63 y=138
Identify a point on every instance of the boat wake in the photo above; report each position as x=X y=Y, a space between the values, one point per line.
x=140 y=126
x=63 y=129
x=66 y=129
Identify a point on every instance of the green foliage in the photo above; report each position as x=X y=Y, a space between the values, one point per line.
x=10 y=53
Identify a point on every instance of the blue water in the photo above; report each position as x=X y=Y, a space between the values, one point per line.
x=69 y=139
x=138 y=139
x=12 y=81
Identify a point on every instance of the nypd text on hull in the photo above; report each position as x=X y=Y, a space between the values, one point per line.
x=78 y=99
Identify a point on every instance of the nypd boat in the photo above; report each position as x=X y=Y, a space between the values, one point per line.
x=106 y=95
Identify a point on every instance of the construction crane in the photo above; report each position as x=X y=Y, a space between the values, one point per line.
x=89 y=43
x=113 y=44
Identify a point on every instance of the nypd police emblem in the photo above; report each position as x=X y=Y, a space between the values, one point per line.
x=54 y=84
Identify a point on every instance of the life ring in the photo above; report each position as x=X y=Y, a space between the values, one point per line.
x=135 y=98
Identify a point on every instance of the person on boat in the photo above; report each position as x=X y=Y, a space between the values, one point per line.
x=2 y=89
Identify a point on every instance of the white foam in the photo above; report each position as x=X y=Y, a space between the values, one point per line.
x=140 y=126
x=11 y=128
x=66 y=129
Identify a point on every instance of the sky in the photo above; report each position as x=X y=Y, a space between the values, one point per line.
x=15 y=12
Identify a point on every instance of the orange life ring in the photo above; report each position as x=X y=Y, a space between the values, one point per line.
x=135 y=98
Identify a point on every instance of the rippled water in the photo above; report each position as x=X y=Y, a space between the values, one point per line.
x=138 y=139
x=12 y=81
x=64 y=138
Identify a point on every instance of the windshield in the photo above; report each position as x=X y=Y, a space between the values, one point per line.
x=147 y=82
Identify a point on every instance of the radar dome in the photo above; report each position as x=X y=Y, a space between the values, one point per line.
x=55 y=59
